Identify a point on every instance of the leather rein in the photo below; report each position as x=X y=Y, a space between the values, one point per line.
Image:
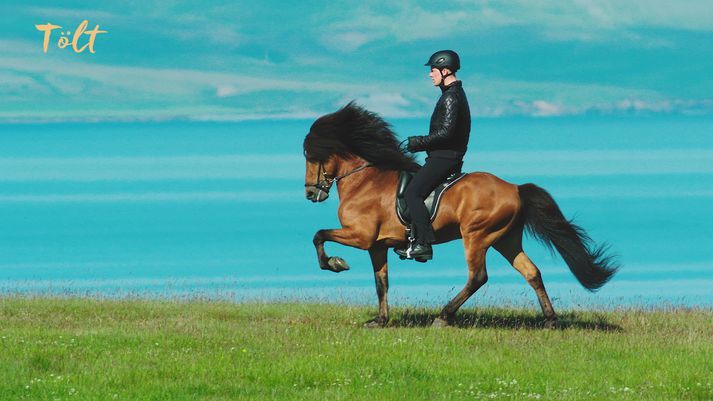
x=326 y=183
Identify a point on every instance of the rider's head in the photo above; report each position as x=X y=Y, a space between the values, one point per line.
x=444 y=64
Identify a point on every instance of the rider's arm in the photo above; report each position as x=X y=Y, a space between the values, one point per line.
x=443 y=132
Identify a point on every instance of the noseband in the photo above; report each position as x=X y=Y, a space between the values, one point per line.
x=326 y=183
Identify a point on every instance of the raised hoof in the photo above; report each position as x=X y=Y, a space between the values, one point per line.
x=550 y=324
x=376 y=323
x=337 y=264
x=440 y=322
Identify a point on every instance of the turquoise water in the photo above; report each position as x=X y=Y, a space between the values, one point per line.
x=197 y=209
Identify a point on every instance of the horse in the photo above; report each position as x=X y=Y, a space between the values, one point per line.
x=356 y=149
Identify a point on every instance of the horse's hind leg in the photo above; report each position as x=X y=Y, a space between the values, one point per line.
x=510 y=246
x=524 y=265
x=477 y=276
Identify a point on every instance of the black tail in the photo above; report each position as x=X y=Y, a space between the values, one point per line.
x=545 y=222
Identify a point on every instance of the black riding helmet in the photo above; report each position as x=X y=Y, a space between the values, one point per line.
x=444 y=59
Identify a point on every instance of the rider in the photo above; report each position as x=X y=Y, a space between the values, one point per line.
x=445 y=146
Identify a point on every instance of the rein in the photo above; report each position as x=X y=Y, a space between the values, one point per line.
x=326 y=183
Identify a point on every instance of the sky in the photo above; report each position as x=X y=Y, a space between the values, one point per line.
x=238 y=60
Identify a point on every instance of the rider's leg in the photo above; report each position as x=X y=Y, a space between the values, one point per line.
x=434 y=171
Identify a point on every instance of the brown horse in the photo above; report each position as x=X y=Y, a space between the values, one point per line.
x=357 y=149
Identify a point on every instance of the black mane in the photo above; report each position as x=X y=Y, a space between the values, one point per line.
x=353 y=130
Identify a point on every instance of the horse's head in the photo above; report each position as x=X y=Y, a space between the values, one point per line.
x=351 y=134
x=319 y=177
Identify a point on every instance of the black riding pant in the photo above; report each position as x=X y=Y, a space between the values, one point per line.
x=426 y=180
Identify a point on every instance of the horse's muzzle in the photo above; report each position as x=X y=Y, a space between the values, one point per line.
x=316 y=195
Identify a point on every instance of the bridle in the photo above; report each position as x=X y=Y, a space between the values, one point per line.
x=328 y=180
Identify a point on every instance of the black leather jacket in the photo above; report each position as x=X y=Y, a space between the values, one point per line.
x=450 y=125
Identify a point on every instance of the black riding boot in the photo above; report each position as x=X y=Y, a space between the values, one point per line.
x=415 y=250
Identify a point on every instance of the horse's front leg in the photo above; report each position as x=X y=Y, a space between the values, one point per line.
x=344 y=236
x=381 y=278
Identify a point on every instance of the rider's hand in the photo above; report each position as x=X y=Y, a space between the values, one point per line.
x=413 y=144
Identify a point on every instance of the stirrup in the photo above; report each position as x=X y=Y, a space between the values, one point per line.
x=406 y=253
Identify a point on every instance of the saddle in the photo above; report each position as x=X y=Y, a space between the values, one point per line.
x=431 y=202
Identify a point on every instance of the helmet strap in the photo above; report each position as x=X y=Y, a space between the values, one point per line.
x=443 y=77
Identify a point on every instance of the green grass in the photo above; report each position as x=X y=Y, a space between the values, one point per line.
x=89 y=349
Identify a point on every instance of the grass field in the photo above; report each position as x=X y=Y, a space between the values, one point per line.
x=89 y=349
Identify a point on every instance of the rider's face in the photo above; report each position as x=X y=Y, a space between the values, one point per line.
x=435 y=76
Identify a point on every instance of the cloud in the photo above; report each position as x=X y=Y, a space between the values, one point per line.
x=194 y=26
x=387 y=103
x=687 y=14
x=610 y=20
x=348 y=40
x=153 y=93
x=225 y=90
x=143 y=93
x=408 y=22
x=663 y=106
x=581 y=20
x=543 y=108
x=14 y=86
x=364 y=52
x=16 y=47
x=79 y=14
x=175 y=81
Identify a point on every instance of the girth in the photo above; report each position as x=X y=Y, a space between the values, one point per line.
x=431 y=202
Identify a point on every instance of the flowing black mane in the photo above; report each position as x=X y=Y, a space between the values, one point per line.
x=353 y=130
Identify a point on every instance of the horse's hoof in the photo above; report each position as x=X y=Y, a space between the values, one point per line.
x=337 y=264
x=550 y=323
x=440 y=322
x=376 y=323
